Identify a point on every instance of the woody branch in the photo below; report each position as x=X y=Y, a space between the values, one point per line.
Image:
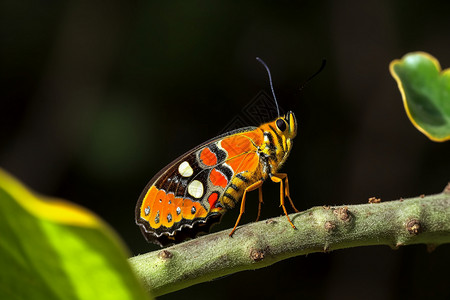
x=420 y=220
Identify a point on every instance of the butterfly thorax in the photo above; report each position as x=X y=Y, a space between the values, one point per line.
x=274 y=150
x=273 y=143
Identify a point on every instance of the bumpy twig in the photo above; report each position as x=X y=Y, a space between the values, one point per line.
x=421 y=220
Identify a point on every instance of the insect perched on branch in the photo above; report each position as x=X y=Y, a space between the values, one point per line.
x=196 y=189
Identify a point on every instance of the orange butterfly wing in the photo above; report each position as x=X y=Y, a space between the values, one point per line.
x=184 y=198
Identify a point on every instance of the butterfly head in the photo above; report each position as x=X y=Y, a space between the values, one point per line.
x=286 y=128
x=278 y=136
x=287 y=125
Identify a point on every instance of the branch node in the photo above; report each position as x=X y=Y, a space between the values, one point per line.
x=342 y=213
x=413 y=227
x=271 y=221
x=257 y=254
x=374 y=200
x=329 y=226
x=447 y=189
x=398 y=245
x=165 y=254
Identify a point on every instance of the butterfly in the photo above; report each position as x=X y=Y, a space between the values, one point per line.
x=195 y=190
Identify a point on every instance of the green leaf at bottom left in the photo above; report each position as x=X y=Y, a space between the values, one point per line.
x=52 y=249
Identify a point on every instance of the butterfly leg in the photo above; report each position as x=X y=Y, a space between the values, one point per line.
x=279 y=178
x=286 y=189
x=250 y=188
x=259 y=202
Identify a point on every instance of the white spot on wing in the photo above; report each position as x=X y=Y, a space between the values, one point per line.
x=195 y=189
x=185 y=169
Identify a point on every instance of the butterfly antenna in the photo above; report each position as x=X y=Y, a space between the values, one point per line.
x=270 y=80
x=322 y=66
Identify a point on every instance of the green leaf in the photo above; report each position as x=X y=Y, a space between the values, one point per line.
x=52 y=249
x=425 y=91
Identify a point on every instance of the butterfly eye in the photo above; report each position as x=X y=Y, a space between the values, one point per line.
x=281 y=125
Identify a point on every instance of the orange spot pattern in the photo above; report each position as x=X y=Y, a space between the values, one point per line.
x=217 y=178
x=207 y=157
x=212 y=199
x=165 y=204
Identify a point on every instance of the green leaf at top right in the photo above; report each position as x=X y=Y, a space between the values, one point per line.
x=425 y=90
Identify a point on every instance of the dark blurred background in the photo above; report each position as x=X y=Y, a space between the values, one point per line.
x=97 y=97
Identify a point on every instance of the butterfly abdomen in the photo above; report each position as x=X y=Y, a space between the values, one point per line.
x=235 y=189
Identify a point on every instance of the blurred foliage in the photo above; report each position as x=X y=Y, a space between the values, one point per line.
x=425 y=91
x=51 y=249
